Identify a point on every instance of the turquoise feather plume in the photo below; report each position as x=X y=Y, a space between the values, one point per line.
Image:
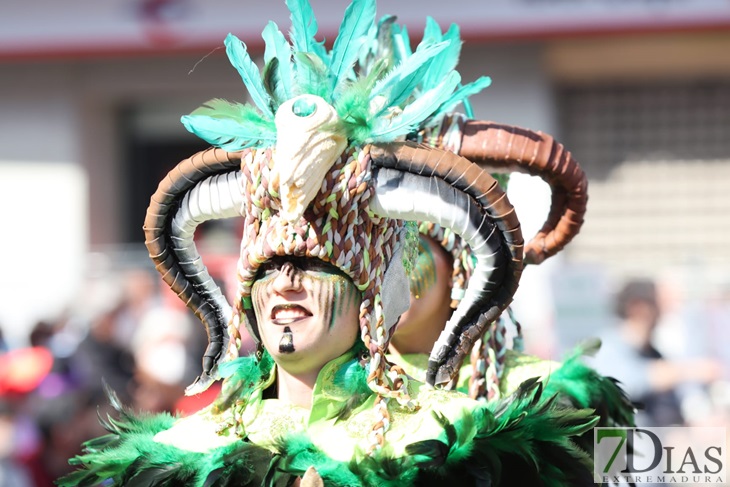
x=378 y=45
x=304 y=28
x=277 y=47
x=416 y=112
x=401 y=42
x=359 y=18
x=312 y=75
x=447 y=59
x=230 y=126
x=400 y=82
x=249 y=72
x=380 y=87
x=462 y=95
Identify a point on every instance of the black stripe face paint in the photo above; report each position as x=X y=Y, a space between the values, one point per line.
x=336 y=293
x=286 y=344
x=297 y=300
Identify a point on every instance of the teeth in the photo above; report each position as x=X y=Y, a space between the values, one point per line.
x=289 y=313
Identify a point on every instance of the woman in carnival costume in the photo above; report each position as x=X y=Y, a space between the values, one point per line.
x=321 y=173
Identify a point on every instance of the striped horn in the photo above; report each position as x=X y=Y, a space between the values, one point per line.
x=415 y=182
x=203 y=187
x=506 y=146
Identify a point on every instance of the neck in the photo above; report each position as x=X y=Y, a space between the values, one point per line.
x=295 y=388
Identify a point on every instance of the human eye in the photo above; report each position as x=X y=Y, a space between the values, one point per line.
x=267 y=269
x=320 y=268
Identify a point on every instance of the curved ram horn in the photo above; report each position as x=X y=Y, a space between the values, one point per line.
x=203 y=187
x=540 y=155
x=414 y=182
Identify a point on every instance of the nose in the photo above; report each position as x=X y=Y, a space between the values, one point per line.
x=288 y=279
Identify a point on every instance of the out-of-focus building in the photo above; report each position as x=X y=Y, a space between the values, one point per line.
x=91 y=94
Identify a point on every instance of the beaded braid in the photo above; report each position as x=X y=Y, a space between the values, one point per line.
x=483 y=382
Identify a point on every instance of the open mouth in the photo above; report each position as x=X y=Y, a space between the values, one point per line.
x=286 y=314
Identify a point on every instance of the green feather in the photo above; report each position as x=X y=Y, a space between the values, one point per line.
x=581 y=386
x=417 y=112
x=230 y=126
x=380 y=469
x=359 y=18
x=298 y=454
x=278 y=48
x=521 y=440
x=352 y=378
x=250 y=74
x=353 y=105
x=352 y=108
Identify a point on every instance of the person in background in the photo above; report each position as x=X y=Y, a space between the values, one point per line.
x=22 y=371
x=629 y=355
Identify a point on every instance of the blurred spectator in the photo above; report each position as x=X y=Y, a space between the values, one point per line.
x=140 y=295
x=120 y=331
x=162 y=358
x=21 y=372
x=99 y=357
x=13 y=473
x=629 y=355
x=42 y=334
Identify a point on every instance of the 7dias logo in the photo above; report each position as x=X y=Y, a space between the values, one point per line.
x=659 y=455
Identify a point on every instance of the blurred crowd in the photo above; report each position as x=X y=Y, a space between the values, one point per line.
x=135 y=336
x=132 y=335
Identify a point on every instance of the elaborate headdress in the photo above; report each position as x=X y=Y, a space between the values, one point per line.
x=318 y=167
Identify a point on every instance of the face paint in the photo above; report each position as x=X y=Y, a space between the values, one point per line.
x=334 y=290
x=286 y=344
x=336 y=293
x=423 y=276
x=307 y=301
